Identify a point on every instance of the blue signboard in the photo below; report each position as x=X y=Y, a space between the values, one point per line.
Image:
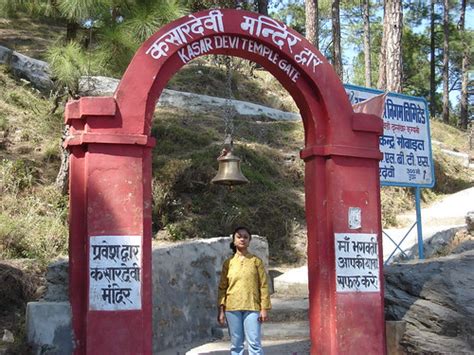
x=406 y=142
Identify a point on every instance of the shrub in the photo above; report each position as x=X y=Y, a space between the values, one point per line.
x=17 y=175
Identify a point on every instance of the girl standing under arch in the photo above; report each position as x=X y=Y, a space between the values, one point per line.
x=243 y=296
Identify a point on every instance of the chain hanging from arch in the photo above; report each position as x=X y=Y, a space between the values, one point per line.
x=229 y=173
x=229 y=108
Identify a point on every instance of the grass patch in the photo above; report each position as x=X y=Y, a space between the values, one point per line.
x=3 y=122
x=451 y=137
x=33 y=225
x=185 y=203
x=451 y=176
x=207 y=76
x=31 y=37
x=33 y=215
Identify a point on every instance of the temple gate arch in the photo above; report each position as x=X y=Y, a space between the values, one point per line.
x=110 y=184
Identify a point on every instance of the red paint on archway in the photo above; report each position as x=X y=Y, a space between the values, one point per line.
x=110 y=181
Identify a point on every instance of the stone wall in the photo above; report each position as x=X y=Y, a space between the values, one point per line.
x=185 y=280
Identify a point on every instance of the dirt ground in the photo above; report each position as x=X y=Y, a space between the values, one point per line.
x=21 y=281
x=29 y=37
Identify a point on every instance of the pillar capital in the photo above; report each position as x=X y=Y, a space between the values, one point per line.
x=90 y=106
x=81 y=138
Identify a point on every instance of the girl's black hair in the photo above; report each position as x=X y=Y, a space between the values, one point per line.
x=232 y=245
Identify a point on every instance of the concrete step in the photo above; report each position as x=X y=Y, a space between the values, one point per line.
x=292 y=283
x=289 y=309
x=273 y=331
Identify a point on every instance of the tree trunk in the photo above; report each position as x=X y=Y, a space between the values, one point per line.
x=71 y=30
x=446 y=62
x=432 y=62
x=312 y=29
x=382 y=80
x=62 y=179
x=336 y=39
x=464 y=69
x=263 y=7
x=368 y=64
x=394 y=45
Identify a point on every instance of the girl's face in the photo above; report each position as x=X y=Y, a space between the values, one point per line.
x=241 y=239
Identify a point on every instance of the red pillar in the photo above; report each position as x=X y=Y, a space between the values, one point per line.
x=342 y=322
x=110 y=235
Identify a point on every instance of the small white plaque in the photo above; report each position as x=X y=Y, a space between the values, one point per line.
x=115 y=275
x=357 y=262
x=355 y=218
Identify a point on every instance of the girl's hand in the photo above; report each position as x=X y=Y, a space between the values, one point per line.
x=221 y=317
x=263 y=316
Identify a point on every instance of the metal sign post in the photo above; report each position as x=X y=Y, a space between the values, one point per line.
x=418 y=223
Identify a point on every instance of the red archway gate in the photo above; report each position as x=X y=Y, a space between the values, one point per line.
x=110 y=188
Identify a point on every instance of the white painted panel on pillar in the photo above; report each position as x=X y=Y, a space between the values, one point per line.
x=115 y=272
x=357 y=262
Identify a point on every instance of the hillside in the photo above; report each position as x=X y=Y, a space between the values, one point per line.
x=185 y=204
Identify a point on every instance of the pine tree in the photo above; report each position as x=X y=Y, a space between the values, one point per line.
x=336 y=39
x=464 y=113
x=311 y=24
x=367 y=51
x=446 y=62
x=390 y=65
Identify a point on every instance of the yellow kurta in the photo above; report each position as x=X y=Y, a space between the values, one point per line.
x=243 y=285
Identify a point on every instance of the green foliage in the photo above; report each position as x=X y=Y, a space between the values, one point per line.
x=81 y=10
x=198 y=5
x=416 y=65
x=33 y=226
x=17 y=175
x=395 y=200
x=21 y=106
x=3 y=122
x=146 y=17
x=105 y=33
x=113 y=51
x=10 y=8
x=32 y=213
x=52 y=151
x=293 y=14
x=68 y=63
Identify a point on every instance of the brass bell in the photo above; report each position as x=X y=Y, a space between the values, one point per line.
x=229 y=172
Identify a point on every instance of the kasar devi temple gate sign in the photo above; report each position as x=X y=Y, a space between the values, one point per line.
x=110 y=188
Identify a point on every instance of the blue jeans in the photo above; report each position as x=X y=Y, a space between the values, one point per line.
x=244 y=324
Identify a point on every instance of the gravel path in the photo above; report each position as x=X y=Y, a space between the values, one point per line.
x=444 y=214
x=271 y=347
